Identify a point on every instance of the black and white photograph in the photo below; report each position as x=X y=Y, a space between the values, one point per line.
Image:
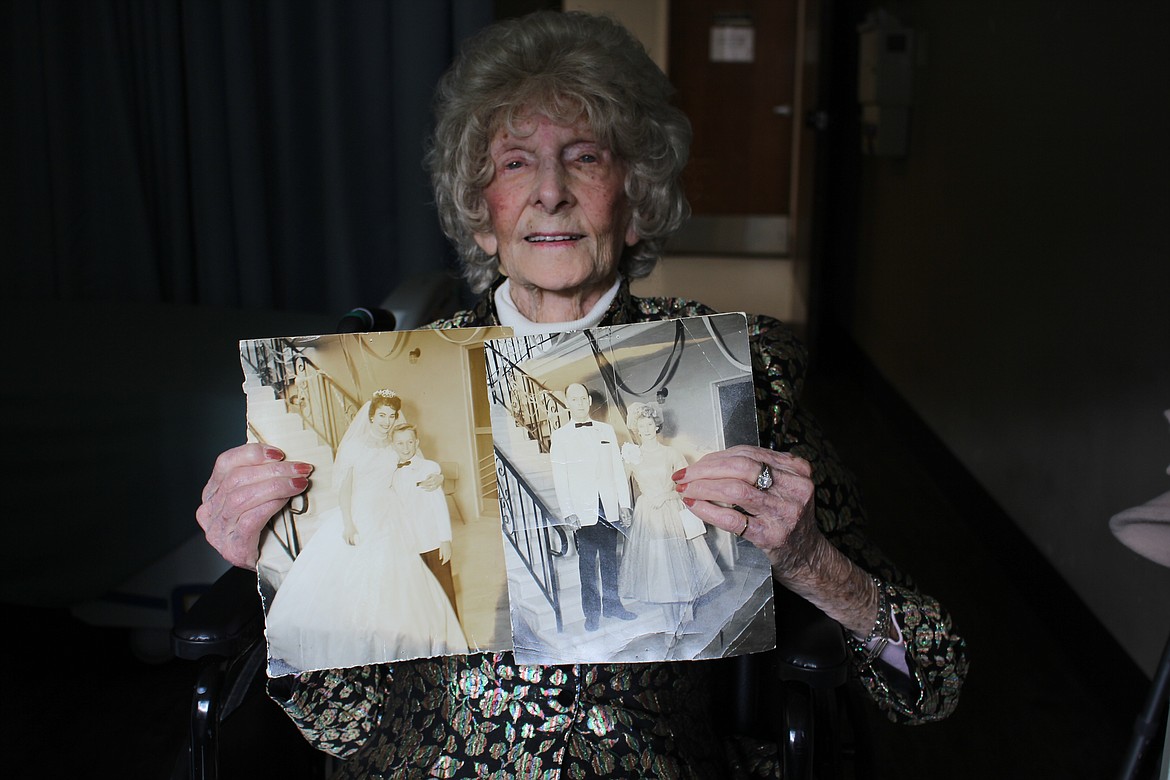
x=605 y=561
x=394 y=551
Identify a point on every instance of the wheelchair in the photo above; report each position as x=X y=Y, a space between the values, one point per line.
x=798 y=696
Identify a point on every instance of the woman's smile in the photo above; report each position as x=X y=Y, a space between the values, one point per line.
x=553 y=238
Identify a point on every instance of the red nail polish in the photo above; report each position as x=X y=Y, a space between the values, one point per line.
x=680 y=488
x=300 y=483
x=304 y=468
x=689 y=501
x=271 y=453
x=676 y=476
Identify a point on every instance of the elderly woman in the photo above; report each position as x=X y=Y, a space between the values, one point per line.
x=556 y=164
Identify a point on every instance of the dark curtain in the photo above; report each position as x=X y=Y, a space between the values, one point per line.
x=220 y=152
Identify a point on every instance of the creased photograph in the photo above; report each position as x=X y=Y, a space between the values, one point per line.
x=605 y=561
x=394 y=551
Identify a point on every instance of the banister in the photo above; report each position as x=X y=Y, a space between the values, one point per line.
x=531 y=528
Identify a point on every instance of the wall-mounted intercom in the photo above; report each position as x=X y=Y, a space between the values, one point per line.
x=885 y=84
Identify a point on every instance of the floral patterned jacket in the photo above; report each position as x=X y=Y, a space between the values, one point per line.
x=486 y=716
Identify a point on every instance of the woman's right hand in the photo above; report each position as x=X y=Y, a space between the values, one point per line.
x=248 y=485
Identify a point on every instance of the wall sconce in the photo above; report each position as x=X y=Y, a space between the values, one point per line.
x=415 y=354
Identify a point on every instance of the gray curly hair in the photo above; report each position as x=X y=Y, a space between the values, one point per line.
x=566 y=66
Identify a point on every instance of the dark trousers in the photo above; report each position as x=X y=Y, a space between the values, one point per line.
x=598 y=558
x=442 y=572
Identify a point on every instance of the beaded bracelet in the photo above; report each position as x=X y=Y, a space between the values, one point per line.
x=880 y=633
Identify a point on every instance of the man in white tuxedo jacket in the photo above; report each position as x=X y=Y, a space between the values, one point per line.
x=594 y=497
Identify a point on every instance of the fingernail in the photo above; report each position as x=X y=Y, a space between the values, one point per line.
x=300 y=483
x=689 y=501
x=271 y=453
x=680 y=488
x=676 y=476
x=303 y=468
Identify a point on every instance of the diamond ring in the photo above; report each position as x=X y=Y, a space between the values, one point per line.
x=764 y=481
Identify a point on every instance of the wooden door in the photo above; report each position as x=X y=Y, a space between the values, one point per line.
x=741 y=111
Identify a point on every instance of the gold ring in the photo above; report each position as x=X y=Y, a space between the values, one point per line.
x=746 y=522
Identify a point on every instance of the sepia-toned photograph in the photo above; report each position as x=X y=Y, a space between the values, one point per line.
x=394 y=551
x=604 y=560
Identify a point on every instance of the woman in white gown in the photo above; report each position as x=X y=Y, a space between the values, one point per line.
x=666 y=559
x=359 y=593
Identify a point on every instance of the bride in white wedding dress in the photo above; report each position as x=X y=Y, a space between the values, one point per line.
x=359 y=593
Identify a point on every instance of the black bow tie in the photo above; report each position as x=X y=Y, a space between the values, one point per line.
x=582 y=425
x=404 y=463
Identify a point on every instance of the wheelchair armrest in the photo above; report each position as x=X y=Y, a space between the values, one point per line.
x=225 y=621
x=810 y=646
x=810 y=651
x=812 y=668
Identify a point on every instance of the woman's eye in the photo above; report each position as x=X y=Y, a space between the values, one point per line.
x=512 y=165
x=588 y=158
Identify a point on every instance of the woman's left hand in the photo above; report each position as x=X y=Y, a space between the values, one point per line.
x=723 y=489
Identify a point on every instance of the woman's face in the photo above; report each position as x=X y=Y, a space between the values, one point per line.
x=383 y=420
x=557 y=206
x=647 y=428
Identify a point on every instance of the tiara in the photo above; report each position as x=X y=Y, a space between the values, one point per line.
x=385 y=393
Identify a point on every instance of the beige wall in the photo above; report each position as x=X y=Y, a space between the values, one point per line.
x=752 y=285
x=1013 y=274
x=646 y=19
x=434 y=397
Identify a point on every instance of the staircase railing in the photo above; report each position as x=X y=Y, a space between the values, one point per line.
x=271 y=361
x=532 y=404
x=326 y=407
x=286 y=518
x=533 y=530
x=486 y=468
